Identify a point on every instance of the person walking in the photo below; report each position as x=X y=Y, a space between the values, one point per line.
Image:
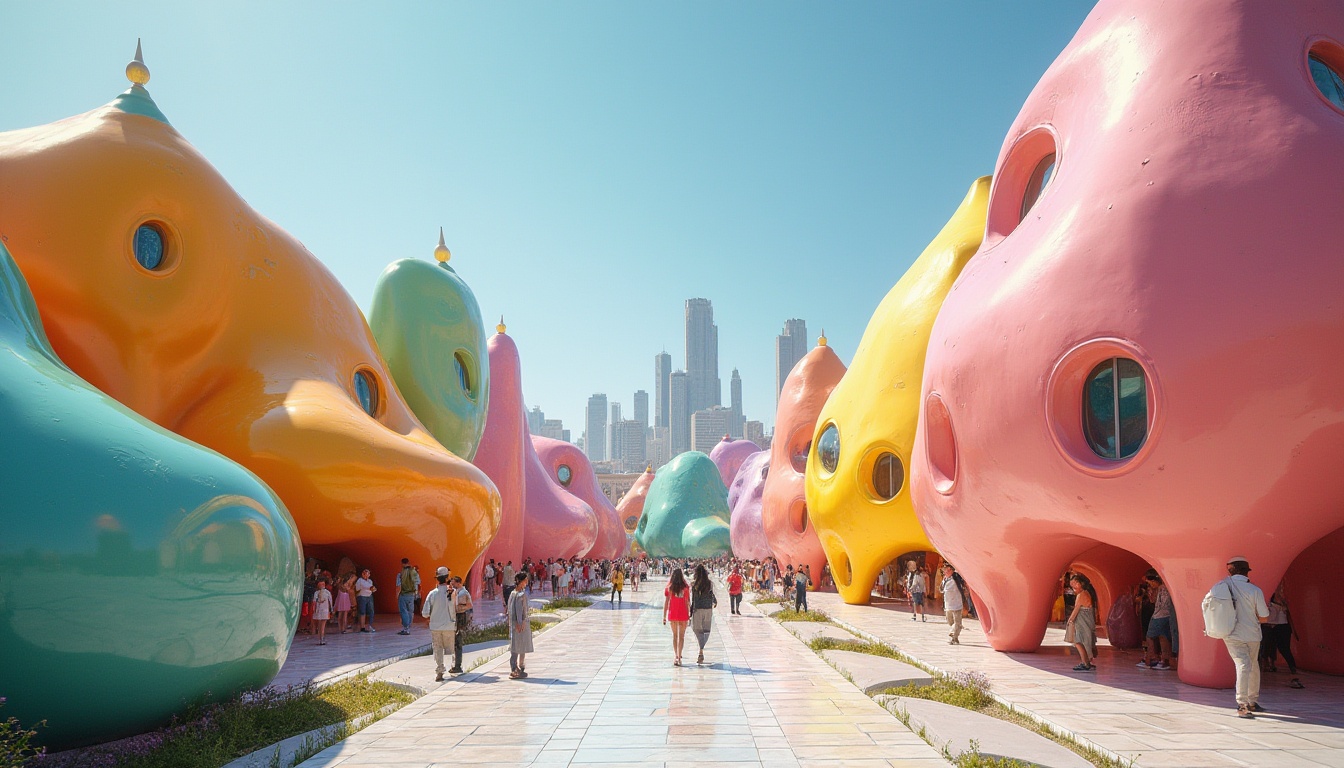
x=321 y=610
x=1159 y=624
x=676 y=609
x=438 y=608
x=703 y=603
x=1278 y=636
x=917 y=585
x=954 y=602
x=345 y=588
x=735 y=592
x=617 y=586
x=520 y=628
x=364 y=590
x=408 y=588
x=462 y=612
x=1243 y=644
x=801 y=581
x=488 y=580
x=1081 y=630
x=510 y=579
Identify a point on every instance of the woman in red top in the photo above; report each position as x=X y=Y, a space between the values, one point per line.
x=735 y=591
x=677 y=609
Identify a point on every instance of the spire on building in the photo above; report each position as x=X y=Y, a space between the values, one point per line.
x=135 y=100
x=501 y=327
x=442 y=254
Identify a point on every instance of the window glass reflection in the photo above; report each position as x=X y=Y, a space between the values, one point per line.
x=1327 y=80
x=149 y=246
x=1115 y=408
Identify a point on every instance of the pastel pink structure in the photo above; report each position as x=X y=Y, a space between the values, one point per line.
x=728 y=456
x=790 y=534
x=630 y=507
x=539 y=519
x=583 y=484
x=1189 y=226
x=746 y=528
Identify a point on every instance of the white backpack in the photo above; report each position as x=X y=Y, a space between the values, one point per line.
x=1220 y=612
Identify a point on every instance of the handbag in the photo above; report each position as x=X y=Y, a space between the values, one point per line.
x=1069 y=634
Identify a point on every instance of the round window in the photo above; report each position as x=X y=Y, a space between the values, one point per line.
x=149 y=246
x=366 y=392
x=1327 y=80
x=888 y=476
x=564 y=475
x=463 y=367
x=828 y=448
x=1036 y=184
x=1115 y=408
x=799 y=458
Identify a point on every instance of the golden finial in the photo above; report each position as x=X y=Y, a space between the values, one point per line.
x=649 y=467
x=501 y=327
x=821 y=340
x=441 y=251
x=136 y=71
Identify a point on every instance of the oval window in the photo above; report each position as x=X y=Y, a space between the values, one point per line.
x=463 y=367
x=564 y=475
x=799 y=458
x=1036 y=185
x=1327 y=80
x=1115 y=408
x=366 y=392
x=149 y=246
x=888 y=476
x=798 y=516
x=828 y=448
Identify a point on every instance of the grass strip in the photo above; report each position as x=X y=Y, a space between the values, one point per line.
x=788 y=614
x=566 y=603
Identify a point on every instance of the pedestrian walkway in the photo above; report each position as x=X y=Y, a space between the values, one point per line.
x=602 y=691
x=1140 y=714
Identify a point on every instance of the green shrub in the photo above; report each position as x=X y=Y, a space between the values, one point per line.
x=567 y=603
x=788 y=614
x=968 y=690
x=16 y=742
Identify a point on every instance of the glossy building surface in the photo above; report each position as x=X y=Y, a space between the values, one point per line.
x=232 y=335
x=746 y=528
x=140 y=570
x=428 y=327
x=686 y=513
x=784 y=512
x=630 y=507
x=561 y=460
x=504 y=444
x=728 y=456
x=1186 y=226
x=873 y=412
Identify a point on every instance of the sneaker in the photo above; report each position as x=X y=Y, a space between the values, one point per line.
x=455 y=671
x=1146 y=665
x=366 y=629
x=438 y=677
x=1245 y=713
x=404 y=632
x=1257 y=708
x=1083 y=668
x=1161 y=665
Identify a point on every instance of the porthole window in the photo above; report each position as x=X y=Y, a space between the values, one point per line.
x=463 y=367
x=1037 y=183
x=1327 y=80
x=799 y=458
x=1115 y=408
x=888 y=476
x=149 y=246
x=366 y=392
x=828 y=448
x=564 y=475
x=798 y=517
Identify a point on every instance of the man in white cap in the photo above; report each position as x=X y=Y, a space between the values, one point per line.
x=439 y=609
x=1243 y=644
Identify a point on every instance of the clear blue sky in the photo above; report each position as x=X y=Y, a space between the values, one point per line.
x=594 y=164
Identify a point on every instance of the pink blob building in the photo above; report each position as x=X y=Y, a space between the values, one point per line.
x=570 y=469
x=728 y=456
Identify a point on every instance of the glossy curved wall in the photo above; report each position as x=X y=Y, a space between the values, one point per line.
x=875 y=408
x=728 y=456
x=428 y=327
x=238 y=339
x=630 y=507
x=503 y=447
x=582 y=483
x=1219 y=278
x=134 y=560
x=784 y=514
x=746 y=528
x=686 y=513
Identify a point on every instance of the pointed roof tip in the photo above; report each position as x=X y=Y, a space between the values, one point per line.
x=136 y=71
x=441 y=252
x=821 y=340
x=501 y=327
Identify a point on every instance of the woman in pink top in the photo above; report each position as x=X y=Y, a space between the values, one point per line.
x=677 y=609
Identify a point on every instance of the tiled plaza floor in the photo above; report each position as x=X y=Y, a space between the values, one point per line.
x=1145 y=715
x=602 y=691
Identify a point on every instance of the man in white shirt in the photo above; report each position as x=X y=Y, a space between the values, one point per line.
x=1243 y=645
x=439 y=608
x=462 y=607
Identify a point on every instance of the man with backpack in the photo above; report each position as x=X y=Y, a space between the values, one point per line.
x=1234 y=609
x=408 y=589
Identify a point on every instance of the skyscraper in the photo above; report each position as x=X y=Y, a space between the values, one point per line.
x=662 y=373
x=614 y=433
x=679 y=434
x=634 y=453
x=595 y=439
x=708 y=426
x=642 y=407
x=790 y=346
x=735 y=388
x=535 y=418
x=702 y=356
x=755 y=432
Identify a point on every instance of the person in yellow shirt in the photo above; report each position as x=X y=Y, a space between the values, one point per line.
x=617 y=585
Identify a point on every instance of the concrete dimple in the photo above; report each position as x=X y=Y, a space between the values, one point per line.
x=602 y=689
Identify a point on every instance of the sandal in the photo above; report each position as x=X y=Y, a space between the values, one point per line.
x=1082 y=668
x=514 y=675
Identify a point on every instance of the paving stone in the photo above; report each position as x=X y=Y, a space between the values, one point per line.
x=945 y=724
x=811 y=630
x=876 y=673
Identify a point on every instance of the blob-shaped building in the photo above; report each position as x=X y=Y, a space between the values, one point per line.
x=686 y=513
x=134 y=559
x=728 y=456
x=746 y=528
x=630 y=507
x=572 y=471
x=784 y=514
x=176 y=298
x=1144 y=352
x=858 y=492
